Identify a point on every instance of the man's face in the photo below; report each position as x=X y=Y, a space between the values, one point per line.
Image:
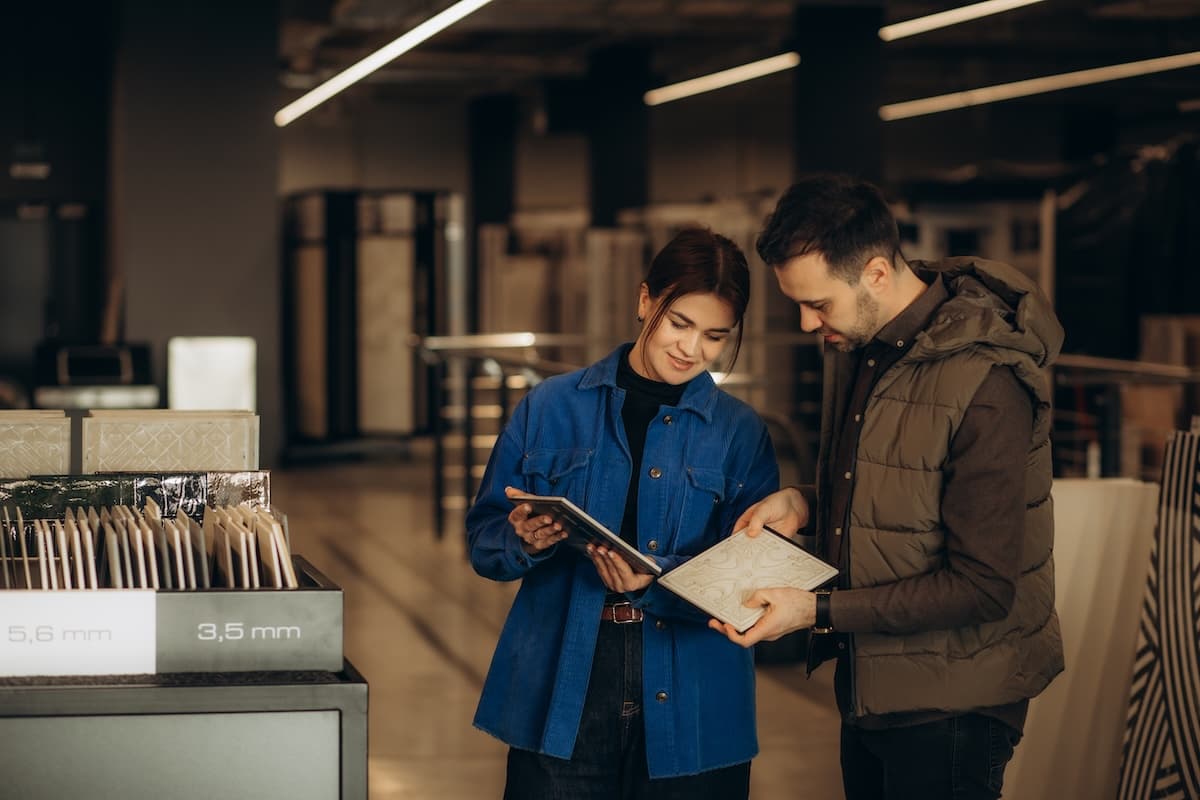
x=847 y=317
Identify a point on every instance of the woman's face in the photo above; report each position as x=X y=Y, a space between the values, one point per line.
x=690 y=337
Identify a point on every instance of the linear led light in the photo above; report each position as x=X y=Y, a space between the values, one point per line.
x=1049 y=83
x=719 y=80
x=945 y=19
x=355 y=73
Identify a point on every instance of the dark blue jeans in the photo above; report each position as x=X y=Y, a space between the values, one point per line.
x=609 y=761
x=959 y=758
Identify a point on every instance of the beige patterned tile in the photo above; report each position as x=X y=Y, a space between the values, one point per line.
x=41 y=447
x=170 y=442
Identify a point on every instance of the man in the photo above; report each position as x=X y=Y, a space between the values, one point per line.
x=932 y=496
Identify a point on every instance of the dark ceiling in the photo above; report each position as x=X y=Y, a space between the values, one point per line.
x=514 y=45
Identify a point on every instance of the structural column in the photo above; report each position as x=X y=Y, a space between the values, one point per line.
x=492 y=132
x=618 y=131
x=838 y=89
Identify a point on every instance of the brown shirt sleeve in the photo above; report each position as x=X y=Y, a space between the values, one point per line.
x=983 y=511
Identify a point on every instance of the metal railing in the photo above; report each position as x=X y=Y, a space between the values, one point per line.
x=1111 y=417
x=477 y=380
x=506 y=364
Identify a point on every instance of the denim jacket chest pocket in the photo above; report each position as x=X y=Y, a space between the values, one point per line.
x=704 y=493
x=561 y=472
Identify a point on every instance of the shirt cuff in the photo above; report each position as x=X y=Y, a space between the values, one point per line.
x=525 y=560
x=850 y=610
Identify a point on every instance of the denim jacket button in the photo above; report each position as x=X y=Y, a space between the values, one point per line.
x=655 y=472
x=660 y=625
x=661 y=697
x=652 y=544
x=668 y=419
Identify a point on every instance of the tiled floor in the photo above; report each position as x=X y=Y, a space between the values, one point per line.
x=420 y=625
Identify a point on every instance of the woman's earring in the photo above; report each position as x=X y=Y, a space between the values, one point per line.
x=641 y=318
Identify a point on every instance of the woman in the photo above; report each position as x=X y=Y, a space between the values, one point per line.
x=643 y=441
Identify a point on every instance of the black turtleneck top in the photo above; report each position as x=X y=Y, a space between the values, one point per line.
x=643 y=398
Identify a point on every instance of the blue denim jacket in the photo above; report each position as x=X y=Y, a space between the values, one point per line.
x=566 y=438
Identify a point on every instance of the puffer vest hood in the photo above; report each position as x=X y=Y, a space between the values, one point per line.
x=995 y=315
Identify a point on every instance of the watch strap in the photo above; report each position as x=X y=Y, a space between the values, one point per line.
x=824 y=622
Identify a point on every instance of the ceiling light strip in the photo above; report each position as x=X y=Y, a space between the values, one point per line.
x=719 y=80
x=1049 y=83
x=380 y=57
x=954 y=16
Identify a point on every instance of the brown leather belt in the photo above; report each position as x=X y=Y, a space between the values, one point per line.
x=620 y=613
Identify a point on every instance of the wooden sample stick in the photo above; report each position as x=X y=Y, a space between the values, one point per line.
x=64 y=563
x=113 y=548
x=24 y=548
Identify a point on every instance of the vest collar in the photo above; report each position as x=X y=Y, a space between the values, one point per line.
x=915 y=318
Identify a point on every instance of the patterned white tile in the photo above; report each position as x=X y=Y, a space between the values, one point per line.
x=168 y=443
x=35 y=448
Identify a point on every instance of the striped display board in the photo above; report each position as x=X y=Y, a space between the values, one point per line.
x=1161 y=750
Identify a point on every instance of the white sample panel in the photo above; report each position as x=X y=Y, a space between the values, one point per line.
x=211 y=372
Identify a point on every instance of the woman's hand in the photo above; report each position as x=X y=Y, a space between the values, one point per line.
x=536 y=533
x=615 y=571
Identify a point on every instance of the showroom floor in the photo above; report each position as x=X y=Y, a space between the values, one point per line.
x=421 y=625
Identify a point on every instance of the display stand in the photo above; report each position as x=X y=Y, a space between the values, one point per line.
x=186 y=735
x=238 y=690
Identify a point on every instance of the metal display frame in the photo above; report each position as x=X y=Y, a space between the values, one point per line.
x=345 y=692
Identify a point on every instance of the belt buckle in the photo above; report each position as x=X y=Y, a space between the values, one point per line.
x=624 y=613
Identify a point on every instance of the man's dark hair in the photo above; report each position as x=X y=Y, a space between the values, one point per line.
x=839 y=217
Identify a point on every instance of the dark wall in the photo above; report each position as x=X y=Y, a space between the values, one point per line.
x=1128 y=244
x=55 y=73
x=194 y=174
x=55 y=70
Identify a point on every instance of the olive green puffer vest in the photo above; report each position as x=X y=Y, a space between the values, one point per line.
x=994 y=316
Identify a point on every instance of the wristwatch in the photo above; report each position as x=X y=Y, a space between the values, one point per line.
x=823 y=623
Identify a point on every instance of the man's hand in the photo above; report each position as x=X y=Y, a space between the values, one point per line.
x=786 y=511
x=536 y=533
x=788 y=610
x=615 y=571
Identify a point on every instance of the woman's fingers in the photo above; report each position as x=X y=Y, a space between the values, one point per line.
x=615 y=572
x=603 y=567
x=518 y=516
x=628 y=580
x=548 y=535
x=537 y=532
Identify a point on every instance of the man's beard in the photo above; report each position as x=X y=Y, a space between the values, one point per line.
x=866 y=323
